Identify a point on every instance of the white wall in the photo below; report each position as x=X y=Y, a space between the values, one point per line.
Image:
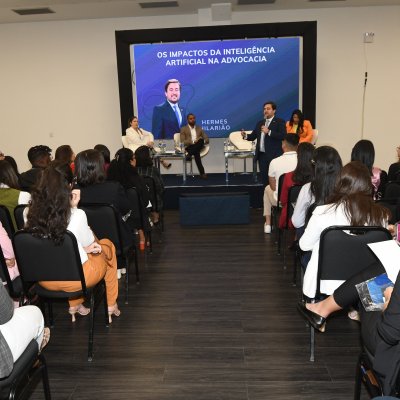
x=58 y=80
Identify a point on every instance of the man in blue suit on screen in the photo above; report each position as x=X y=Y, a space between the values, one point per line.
x=168 y=118
x=269 y=133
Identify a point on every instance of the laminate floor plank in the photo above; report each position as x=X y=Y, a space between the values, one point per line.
x=213 y=318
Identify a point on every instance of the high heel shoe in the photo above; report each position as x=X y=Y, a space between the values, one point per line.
x=80 y=309
x=313 y=318
x=114 y=310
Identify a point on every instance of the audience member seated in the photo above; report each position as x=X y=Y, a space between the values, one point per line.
x=8 y=252
x=145 y=167
x=122 y=169
x=350 y=204
x=327 y=165
x=39 y=157
x=194 y=138
x=394 y=169
x=17 y=329
x=91 y=180
x=106 y=154
x=13 y=163
x=364 y=152
x=285 y=163
x=300 y=176
x=52 y=211
x=65 y=155
x=300 y=126
x=10 y=195
x=380 y=330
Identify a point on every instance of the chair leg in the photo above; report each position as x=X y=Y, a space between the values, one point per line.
x=45 y=378
x=91 y=328
x=358 y=377
x=312 y=344
x=294 y=282
x=105 y=303
x=279 y=231
x=150 y=241
x=51 y=316
x=137 y=266
x=127 y=263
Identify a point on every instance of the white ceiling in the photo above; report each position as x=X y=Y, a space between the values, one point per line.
x=87 y=9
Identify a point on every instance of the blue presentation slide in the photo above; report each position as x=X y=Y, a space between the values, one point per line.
x=224 y=83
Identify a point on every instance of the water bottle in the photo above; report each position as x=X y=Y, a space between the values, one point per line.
x=228 y=144
x=160 y=145
x=225 y=147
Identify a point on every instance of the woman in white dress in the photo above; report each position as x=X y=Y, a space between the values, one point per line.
x=137 y=137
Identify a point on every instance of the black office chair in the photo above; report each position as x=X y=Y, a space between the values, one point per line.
x=137 y=206
x=275 y=212
x=342 y=255
x=26 y=368
x=19 y=215
x=156 y=206
x=40 y=259
x=293 y=194
x=6 y=220
x=103 y=219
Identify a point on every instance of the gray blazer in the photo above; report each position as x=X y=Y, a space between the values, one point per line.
x=6 y=313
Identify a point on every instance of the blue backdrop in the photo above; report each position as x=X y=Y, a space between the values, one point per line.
x=224 y=83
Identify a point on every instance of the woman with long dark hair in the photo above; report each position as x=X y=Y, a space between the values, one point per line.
x=350 y=204
x=122 y=169
x=300 y=126
x=91 y=180
x=364 y=152
x=52 y=211
x=145 y=167
x=300 y=176
x=327 y=164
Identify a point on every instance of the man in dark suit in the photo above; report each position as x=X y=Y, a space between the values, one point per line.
x=269 y=133
x=168 y=118
x=194 y=138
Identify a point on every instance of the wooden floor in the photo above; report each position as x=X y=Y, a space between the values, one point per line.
x=213 y=318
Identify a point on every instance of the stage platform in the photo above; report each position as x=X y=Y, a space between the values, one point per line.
x=215 y=183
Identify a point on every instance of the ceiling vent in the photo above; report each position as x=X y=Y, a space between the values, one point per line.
x=159 y=4
x=253 y=2
x=34 y=11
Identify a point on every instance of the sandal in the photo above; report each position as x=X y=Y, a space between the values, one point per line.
x=114 y=310
x=45 y=340
x=80 y=309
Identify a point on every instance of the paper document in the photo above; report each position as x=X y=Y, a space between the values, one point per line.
x=388 y=253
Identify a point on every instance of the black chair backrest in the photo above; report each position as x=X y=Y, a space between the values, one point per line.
x=280 y=184
x=19 y=215
x=136 y=203
x=103 y=219
x=392 y=190
x=293 y=194
x=40 y=259
x=341 y=254
x=151 y=185
x=6 y=221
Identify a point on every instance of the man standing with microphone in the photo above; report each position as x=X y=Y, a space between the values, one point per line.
x=269 y=133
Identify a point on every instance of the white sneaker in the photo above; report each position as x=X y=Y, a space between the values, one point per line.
x=267 y=228
x=118 y=273
x=123 y=271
